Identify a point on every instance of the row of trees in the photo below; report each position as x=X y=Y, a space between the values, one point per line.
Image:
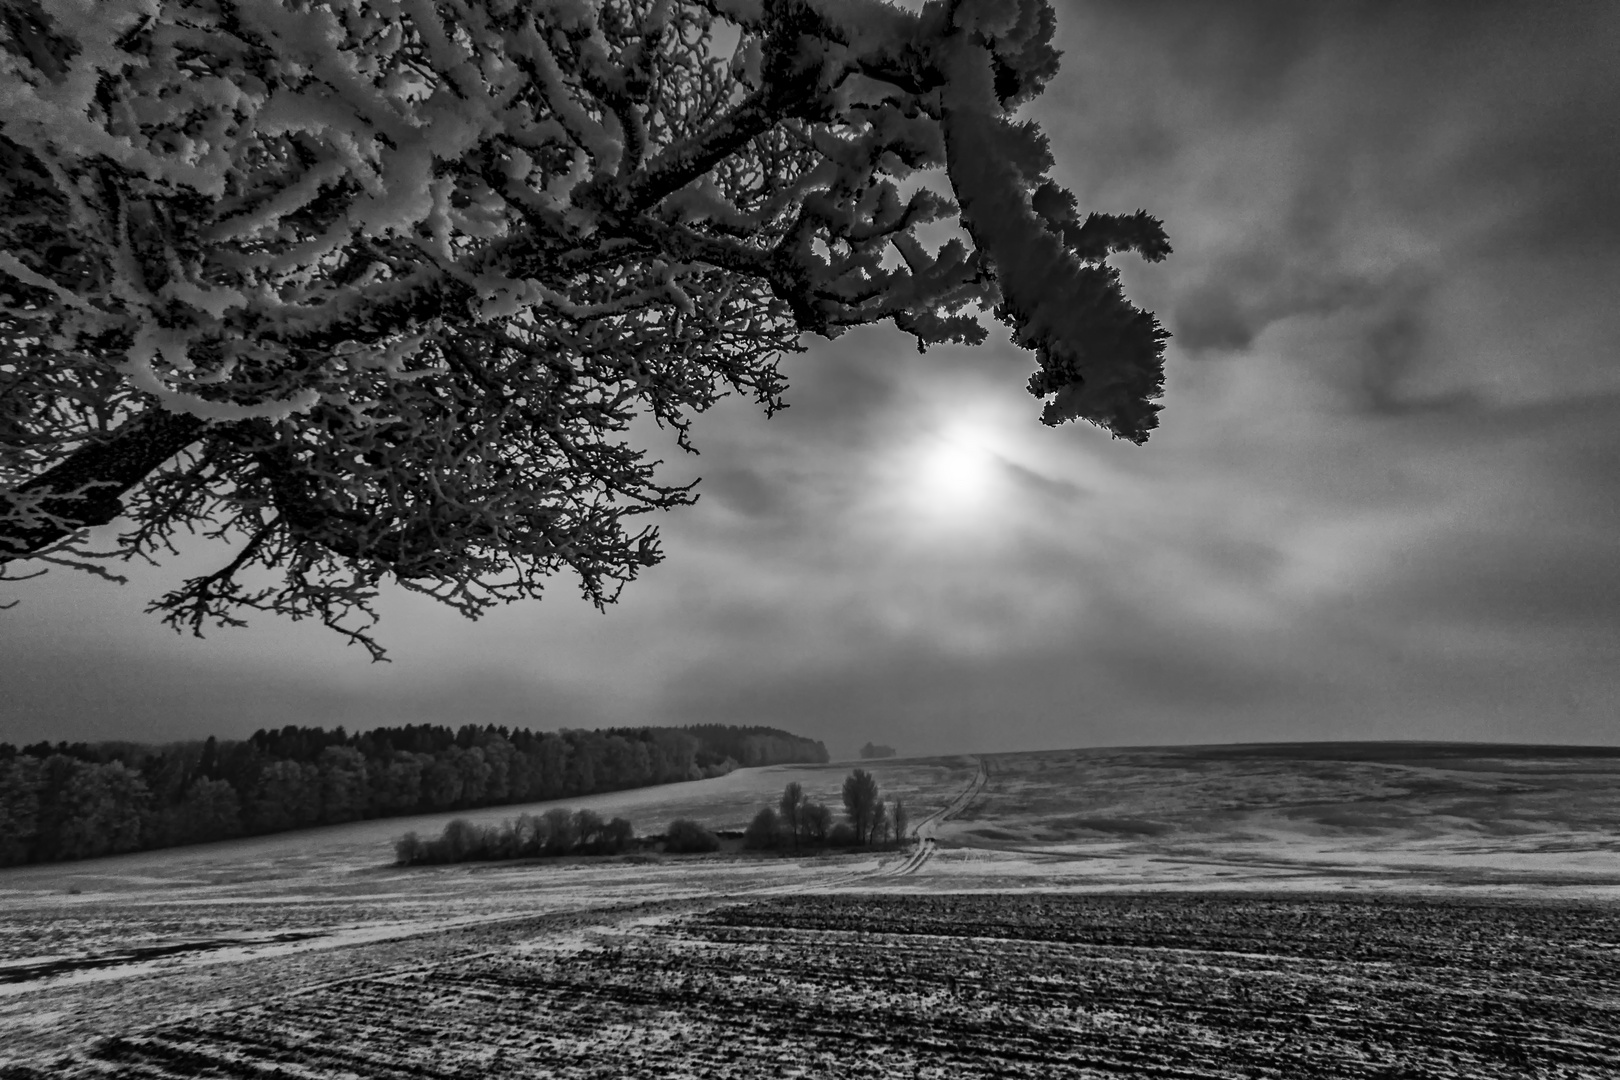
x=556 y=832
x=798 y=822
x=81 y=800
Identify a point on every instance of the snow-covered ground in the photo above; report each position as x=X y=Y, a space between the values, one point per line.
x=147 y=941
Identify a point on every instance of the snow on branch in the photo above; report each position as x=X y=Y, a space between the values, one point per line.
x=404 y=270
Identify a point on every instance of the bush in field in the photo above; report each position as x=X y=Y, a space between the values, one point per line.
x=686 y=836
x=842 y=835
x=409 y=850
x=765 y=831
x=616 y=836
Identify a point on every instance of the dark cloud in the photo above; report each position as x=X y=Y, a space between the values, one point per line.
x=1250 y=289
x=1210 y=318
x=1361 y=151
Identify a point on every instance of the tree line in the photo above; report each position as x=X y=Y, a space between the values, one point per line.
x=797 y=822
x=558 y=831
x=79 y=800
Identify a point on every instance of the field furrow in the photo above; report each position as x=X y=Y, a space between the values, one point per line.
x=961 y=986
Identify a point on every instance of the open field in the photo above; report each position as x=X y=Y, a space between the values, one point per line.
x=1312 y=912
x=1356 y=815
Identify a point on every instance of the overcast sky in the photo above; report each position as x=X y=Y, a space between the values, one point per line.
x=1384 y=500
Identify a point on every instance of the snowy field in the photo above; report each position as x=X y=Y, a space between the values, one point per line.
x=1218 y=912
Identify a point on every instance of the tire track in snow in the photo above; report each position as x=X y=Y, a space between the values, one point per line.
x=924 y=830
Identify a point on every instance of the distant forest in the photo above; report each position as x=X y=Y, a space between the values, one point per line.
x=79 y=800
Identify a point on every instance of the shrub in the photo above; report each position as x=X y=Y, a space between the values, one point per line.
x=408 y=849
x=686 y=836
x=765 y=831
x=843 y=835
x=616 y=836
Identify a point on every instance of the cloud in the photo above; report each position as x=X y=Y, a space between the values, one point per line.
x=1313 y=161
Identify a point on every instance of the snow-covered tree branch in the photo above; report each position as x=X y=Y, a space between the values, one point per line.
x=373 y=288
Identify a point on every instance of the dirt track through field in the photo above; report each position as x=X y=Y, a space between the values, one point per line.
x=924 y=830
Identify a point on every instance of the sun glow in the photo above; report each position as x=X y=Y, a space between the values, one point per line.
x=955 y=468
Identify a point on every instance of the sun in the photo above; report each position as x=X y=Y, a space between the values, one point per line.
x=954 y=468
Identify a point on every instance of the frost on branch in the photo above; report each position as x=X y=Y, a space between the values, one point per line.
x=1100 y=356
x=373 y=288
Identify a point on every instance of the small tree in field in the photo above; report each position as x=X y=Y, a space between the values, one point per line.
x=879 y=833
x=860 y=803
x=901 y=820
x=792 y=810
x=373 y=289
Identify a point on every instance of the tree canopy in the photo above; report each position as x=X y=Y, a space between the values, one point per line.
x=373 y=288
